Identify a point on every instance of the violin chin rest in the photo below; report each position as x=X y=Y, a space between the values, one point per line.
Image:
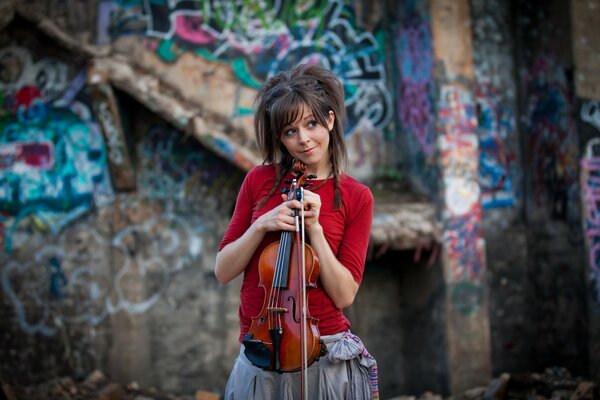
x=257 y=352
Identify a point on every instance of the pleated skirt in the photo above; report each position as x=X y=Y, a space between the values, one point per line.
x=346 y=372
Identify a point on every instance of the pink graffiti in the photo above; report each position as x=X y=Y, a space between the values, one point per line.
x=27 y=156
x=190 y=28
x=462 y=240
x=414 y=57
x=591 y=193
x=590 y=198
x=415 y=114
x=457 y=115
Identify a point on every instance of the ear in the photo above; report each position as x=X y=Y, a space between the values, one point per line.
x=330 y=120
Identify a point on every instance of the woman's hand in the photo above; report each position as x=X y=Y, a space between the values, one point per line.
x=312 y=210
x=280 y=218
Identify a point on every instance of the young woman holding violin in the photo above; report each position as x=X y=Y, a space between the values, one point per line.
x=296 y=341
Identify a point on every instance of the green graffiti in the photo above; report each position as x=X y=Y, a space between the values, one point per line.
x=165 y=51
x=466 y=297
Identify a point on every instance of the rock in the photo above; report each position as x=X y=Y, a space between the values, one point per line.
x=474 y=393
x=498 y=388
x=112 y=391
x=584 y=391
x=204 y=395
x=94 y=380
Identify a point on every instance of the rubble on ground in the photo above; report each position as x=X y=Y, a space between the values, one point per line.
x=95 y=387
x=552 y=384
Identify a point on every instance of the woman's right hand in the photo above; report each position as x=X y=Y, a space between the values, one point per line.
x=280 y=218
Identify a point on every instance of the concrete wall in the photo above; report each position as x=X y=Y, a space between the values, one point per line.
x=555 y=288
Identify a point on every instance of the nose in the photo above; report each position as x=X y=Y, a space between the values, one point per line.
x=303 y=136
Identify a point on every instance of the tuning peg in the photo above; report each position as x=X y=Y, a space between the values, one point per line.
x=311 y=177
x=285 y=190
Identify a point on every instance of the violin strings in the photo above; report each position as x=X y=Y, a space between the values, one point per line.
x=277 y=280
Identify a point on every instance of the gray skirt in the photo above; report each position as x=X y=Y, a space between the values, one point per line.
x=348 y=371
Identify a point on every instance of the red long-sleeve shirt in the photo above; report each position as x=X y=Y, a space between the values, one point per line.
x=346 y=229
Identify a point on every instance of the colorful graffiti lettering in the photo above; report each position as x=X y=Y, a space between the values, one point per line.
x=52 y=159
x=261 y=38
x=590 y=198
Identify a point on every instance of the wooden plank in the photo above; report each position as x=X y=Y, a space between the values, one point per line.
x=106 y=111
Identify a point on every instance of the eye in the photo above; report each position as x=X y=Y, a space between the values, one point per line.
x=312 y=124
x=289 y=132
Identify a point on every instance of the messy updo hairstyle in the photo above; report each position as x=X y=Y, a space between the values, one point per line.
x=279 y=103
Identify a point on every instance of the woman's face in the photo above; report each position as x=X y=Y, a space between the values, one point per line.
x=308 y=141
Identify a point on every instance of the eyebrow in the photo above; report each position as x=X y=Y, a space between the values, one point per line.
x=291 y=125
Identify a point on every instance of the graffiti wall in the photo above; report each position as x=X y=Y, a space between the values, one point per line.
x=500 y=176
x=554 y=281
x=89 y=268
x=495 y=96
x=416 y=108
x=53 y=165
x=254 y=41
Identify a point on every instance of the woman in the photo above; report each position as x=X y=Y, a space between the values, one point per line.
x=300 y=115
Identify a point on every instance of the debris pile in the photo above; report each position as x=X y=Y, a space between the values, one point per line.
x=97 y=387
x=554 y=383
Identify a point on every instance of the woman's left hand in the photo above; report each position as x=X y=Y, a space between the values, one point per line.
x=312 y=209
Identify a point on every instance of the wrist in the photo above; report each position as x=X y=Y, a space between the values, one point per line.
x=315 y=229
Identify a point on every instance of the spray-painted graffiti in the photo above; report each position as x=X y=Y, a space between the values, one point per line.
x=413 y=50
x=494 y=96
x=261 y=38
x=590 y=198
x=52 y=159
x=590 y=113
x=552 y=139
x=463 y=236
x=496 y=159
x=414 y=53
x=72 y=281
x=48 y=76
x=168 y=163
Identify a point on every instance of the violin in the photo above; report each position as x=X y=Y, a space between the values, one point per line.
x=284 y=337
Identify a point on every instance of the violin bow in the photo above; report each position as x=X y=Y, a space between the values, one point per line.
x=303 y=379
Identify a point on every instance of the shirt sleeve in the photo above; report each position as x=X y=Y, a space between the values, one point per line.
x=353 y=248
x=242 y=213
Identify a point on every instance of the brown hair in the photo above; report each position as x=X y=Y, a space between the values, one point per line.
x=279 y=103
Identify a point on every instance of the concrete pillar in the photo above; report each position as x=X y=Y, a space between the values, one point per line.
x=464 y=265
x=585 y=26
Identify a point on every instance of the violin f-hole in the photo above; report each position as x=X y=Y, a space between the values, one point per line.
x=296 y=318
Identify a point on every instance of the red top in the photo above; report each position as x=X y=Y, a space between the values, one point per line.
x=346 y=229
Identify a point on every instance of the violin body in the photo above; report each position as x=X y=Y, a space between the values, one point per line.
x=275 y=340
